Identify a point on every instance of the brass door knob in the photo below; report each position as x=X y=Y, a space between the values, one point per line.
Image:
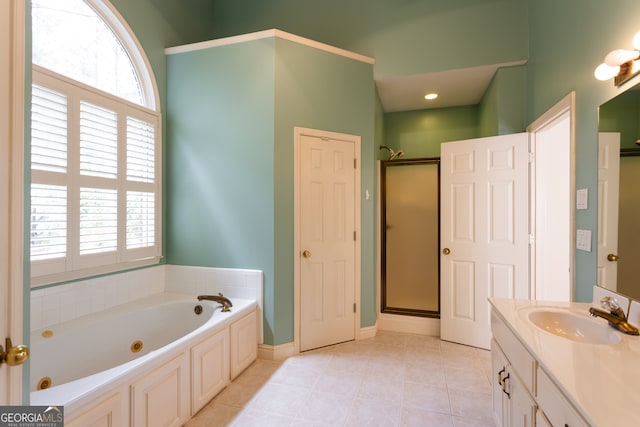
x=13 y=356
x=612 y=257
x=446 y=251
x=306 y=254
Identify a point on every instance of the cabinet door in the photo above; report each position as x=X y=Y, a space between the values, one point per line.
x=244 y=343
x=109 y=412
x=555 y=406
x=209 y=369
x=522 y=408
x=161 y=398
x=499 y=366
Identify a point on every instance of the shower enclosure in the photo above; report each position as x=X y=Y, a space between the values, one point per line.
x=410 y=200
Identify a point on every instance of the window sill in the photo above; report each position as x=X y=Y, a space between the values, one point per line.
x=71 y=276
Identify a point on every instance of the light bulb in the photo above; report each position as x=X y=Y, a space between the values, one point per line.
x=636 y=41
x=431 y=96
x=606 y=72
x=620 y=56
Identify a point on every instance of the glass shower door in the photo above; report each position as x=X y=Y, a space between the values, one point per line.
x=410 y=249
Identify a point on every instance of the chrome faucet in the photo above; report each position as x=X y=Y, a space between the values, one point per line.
x=615 y=316
x=221 y=299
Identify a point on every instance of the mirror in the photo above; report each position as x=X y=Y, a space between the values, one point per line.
x=619 y=193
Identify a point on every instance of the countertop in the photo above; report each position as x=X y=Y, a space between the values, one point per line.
x=601 y=381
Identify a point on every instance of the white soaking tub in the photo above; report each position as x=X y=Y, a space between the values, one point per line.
x=112 y=356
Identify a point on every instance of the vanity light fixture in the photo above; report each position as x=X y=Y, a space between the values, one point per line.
x=431 y=96
x=620 y=64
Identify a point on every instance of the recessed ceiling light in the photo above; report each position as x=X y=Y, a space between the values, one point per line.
x=431 y=96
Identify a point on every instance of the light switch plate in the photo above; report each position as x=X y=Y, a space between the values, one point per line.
x=583 y=240
x=582 y=198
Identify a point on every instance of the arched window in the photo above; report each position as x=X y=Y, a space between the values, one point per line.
x=95 y=144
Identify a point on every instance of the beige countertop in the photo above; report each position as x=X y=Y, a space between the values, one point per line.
x=602 y=381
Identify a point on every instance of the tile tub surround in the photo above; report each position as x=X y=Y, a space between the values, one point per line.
x=390 y=380
x=56 y=304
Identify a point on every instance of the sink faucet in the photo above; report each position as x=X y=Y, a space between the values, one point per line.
x=615 y=316
x=226 y=304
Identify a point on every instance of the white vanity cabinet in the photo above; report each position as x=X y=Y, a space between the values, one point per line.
x=512 y=402
x=523 y=394
x=513 y=378
x=555 y=410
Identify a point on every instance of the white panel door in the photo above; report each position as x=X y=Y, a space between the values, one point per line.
x=484 y=232
x=327 y=241
x=608 y=195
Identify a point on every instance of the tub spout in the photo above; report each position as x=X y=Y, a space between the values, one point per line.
x=221 y=299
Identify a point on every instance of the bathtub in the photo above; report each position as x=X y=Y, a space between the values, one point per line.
x=79 y=360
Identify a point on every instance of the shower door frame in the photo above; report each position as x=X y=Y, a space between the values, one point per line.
x=384 y=308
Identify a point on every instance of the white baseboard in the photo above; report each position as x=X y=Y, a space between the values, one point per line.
x=276 y=352
x=282 y=351
x=409 y=324
x=368 y=332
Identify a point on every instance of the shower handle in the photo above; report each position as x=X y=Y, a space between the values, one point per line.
x=446 y=251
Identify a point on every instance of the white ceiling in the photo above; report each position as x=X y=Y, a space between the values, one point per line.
x=455 y=88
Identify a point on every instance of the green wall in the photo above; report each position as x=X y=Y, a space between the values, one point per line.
x=319 y=90
x=405 y=37
x=419 y=133
x=231 y=117
x=562 y=41
x=220 y=161
x=568 y=39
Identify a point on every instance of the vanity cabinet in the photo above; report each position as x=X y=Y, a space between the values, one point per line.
x=523 y=394
x=555 y=408
x=512 y=401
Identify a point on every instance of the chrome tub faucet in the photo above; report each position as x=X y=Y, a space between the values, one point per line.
x=221 y=299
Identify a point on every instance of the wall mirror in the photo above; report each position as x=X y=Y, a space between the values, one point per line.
x=619 y=193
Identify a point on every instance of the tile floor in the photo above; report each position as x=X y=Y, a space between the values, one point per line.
x=390 y=380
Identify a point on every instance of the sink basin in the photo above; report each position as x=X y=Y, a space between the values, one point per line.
x=573 y=326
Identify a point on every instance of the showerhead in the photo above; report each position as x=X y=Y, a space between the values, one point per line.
x=396 y=155
x=392 y=154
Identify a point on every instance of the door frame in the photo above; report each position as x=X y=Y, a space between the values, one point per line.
x=12 y=75
x=298 y=132
x=564 y=106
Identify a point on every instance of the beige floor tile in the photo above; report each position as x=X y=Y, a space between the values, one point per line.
x=426 y=397
x=467 y=404
x=215 y=415
x=390 y=380
x=374 y=414
x=415 y=417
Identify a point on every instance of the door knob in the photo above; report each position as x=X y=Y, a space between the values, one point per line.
x=306 y=254
x=446 y=251
x=13 y=356
x=612 y=257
